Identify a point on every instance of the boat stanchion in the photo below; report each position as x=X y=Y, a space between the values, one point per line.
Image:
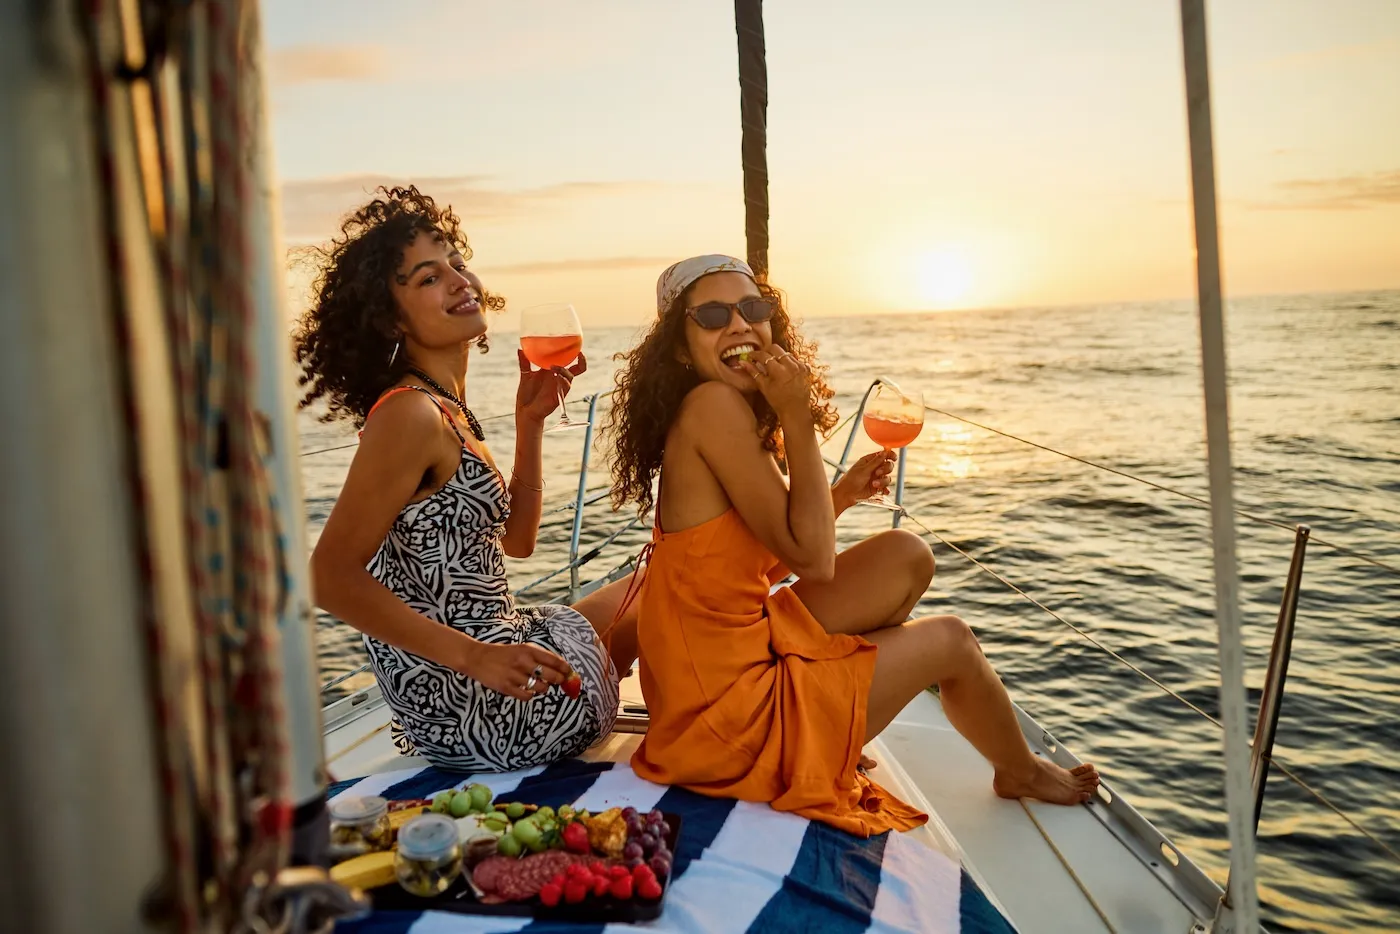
x=577 y=529
x=1270 y=703
x=855 y=427
x=899 y=488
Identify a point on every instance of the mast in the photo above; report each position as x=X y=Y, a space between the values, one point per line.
x=274 y=397
x=1242 y=896
x=753 y=111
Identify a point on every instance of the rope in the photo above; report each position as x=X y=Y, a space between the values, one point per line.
x=1322 y=799
x=1274 y=761
x=171 y=727
x=1166 y=690
x=354 y=444
x=1093 y=903
x=1200 y=500
x=361 y=741
x=581 y=560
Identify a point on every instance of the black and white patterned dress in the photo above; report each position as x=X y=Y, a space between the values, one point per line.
x=443 y=557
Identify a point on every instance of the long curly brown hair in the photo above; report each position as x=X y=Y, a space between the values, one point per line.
x=344 y=341
x=653 y=383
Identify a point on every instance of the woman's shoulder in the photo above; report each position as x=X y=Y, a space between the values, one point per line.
x=403 y=414
x=713 y=399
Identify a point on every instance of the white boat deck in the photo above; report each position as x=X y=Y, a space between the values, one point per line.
x=1115 y=854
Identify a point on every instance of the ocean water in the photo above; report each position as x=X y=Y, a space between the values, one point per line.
x=1315 y=397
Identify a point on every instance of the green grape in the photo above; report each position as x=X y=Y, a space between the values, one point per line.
x=480 y=796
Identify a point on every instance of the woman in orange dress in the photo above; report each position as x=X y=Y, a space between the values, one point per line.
x=765 y=697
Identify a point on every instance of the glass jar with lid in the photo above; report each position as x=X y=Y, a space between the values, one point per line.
x=359 y=825
x=429 y=856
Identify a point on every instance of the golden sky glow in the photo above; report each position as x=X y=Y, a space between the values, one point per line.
x=922 y=156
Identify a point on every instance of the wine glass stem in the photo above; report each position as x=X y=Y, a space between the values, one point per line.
x=563 y=409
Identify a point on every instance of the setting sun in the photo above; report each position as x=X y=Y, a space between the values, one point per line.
x=944 y=277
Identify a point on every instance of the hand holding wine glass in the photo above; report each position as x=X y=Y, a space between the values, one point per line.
x=893 y=419
x=552 y=338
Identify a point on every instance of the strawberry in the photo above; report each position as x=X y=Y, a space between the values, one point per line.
x=576 y=838
x=649 y=889
x=621 y=888
x=601 y=885
x=550 y=894
x=575 y=891
x=573 y=685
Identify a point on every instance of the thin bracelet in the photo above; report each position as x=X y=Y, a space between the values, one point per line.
x=536 y=489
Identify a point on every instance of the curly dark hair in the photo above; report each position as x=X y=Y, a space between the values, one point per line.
x=653 y=382
x=343 y=342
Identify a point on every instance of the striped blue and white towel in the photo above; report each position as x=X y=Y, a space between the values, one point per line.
x=738 y=866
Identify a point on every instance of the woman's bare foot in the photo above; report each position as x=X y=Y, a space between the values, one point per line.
x=866 y=763
x=1048 y=782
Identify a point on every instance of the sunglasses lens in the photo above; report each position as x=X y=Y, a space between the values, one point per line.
x=756 y=309
x=712 y=316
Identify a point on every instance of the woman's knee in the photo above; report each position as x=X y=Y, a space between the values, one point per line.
x=912 y=553
x=953 y=636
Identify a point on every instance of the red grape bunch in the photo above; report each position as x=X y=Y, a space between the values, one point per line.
x=646 y=841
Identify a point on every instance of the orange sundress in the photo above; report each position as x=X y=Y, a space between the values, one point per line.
x=749 y=697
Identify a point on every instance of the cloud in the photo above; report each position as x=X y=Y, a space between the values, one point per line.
x=582 y=265
x=309 y=64
x=1345 y=193
x=312 y=209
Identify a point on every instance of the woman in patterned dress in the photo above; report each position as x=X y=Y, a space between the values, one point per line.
x=413 y=552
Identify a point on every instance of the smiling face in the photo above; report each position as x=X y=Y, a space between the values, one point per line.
x=439 y=301
x=714 y=355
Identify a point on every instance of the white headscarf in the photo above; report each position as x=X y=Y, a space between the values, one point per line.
x=678 y=277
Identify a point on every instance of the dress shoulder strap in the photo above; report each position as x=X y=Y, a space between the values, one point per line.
x=435 y=400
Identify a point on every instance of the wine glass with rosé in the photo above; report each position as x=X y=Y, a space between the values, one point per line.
x=893 y=418
x=551 y=337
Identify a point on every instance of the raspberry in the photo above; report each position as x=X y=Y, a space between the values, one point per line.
x=649 y=889
x=550 y=894
x=575 y=891
x=621 y=888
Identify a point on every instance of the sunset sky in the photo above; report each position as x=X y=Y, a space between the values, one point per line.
x=922 y=155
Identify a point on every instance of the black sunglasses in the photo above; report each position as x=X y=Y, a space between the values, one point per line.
x=714 y=315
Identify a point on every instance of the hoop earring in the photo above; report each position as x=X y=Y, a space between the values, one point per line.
x=483 y=345
x=394 y=355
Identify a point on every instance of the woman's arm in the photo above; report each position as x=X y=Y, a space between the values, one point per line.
x=867 y=477
x=537 y=397
x=397 y=450
x=526 y=489
x=796 y=522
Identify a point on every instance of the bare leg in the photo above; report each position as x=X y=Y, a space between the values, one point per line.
x=943 y=650
x=877 y=584
x=600 y=609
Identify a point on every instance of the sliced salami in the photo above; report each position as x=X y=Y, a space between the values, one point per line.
x=518 y=879
x=489 y=870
